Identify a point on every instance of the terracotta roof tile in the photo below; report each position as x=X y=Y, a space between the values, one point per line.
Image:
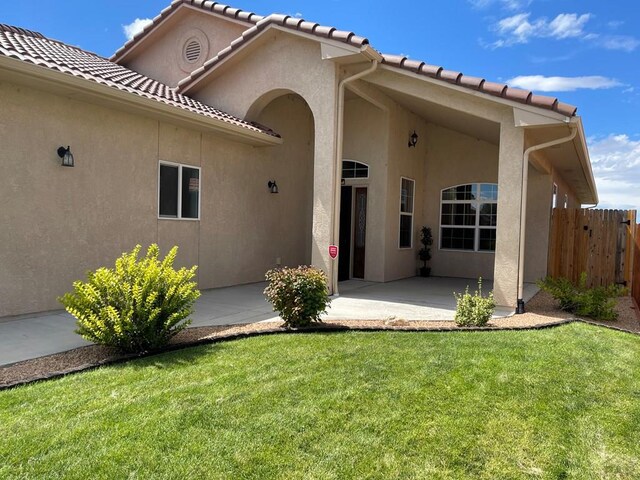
x=259 y=23
x=480 y=84
x=450 y=76
x=35 y=48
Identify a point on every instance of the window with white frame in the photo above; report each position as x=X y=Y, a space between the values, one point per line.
x=554 y=202
x=407 y=190
x=566 y=200
x=178 y=191
x=468 y=217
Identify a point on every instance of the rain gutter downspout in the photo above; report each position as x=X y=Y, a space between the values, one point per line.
x=523 y=207
x=335 y=236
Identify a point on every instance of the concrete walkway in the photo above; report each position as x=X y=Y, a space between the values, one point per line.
x=30 y=336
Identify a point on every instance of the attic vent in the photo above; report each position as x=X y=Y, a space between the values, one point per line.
x=192 y=50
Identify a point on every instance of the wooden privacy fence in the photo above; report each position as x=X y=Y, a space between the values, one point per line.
x=635 y=268
x=598 y=242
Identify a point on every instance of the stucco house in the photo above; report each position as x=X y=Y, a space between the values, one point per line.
x=185 y=134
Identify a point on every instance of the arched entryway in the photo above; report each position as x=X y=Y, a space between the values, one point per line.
x=287 y=238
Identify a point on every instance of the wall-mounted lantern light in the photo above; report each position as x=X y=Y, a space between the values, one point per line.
x=413 y=139
x=273 y=187
x=66 y=156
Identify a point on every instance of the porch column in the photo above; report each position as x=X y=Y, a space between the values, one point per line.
x=505 y=276
x=324 y=185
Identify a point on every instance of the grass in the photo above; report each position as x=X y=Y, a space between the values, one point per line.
x=561 y=403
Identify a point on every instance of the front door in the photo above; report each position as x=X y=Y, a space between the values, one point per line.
x=359 y=232
x=344 y=259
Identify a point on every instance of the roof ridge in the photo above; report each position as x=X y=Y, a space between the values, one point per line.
x=20 y=31
x=31 y=33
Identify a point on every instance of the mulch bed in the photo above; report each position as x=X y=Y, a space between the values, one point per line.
x=541 y=313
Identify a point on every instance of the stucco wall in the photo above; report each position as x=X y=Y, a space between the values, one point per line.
x=365 y=140
x=60 y=222
x=247 y=228
x=409 y=163
x=160 y=54
x=564 y=189
x=538 y=221
x=284 y=63
x=453 y=159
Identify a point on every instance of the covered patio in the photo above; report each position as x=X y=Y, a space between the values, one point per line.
x=30 y=336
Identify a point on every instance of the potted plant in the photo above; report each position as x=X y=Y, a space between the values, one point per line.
x=425 y=252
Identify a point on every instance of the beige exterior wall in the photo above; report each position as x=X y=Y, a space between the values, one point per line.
x=160 y=54
x=361 y=119
x=244 y=88
x=565 y=189
x=539 y=193
x=59 y=222
x=408 y=163
x=509 y=216
x=65 y=221
x=454 y=159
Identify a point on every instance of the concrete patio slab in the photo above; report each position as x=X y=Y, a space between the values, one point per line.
x=31 y=336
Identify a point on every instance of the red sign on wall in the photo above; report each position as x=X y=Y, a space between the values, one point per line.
x=333 y=251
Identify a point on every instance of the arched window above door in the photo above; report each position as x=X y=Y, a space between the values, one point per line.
x=353 y=169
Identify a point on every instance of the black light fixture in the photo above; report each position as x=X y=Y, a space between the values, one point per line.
x=413 y=139
x=66 y=156
x=273 y=187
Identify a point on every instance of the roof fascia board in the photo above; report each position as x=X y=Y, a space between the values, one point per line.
x=585 y=160
x=48 y=78
x=559 y=118
x=526 y=117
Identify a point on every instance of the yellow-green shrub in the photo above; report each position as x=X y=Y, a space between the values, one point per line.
x=300 y=295
x=136 y=306
x=474 y=310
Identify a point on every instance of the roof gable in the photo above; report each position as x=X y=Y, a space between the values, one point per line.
x=256 y=24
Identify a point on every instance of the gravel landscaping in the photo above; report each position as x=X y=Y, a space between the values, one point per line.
x=541 y=312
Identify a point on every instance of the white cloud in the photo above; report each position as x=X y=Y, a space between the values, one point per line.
x=508 y=4
x=616 y=167
x=541 y=83
x=135 y=27
x=520 y=29
x=619 y=42
x=567 y=25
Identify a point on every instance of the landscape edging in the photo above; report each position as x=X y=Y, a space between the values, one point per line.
x=323 y=328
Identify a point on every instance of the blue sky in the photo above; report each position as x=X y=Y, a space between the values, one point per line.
x=587 y=53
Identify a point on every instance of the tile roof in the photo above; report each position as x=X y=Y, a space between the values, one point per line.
x=35 y=48
x=259 y=23
x=480 y=84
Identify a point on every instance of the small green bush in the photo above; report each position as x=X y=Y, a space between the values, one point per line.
x=138 y=305
x=474 y=310
x=598 y=303
x=300 y=295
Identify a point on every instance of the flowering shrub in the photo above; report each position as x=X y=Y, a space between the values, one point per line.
x=300 y=295
x=474 y=310
x=136 y=306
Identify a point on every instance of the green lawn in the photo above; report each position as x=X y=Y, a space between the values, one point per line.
x=560 y=403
